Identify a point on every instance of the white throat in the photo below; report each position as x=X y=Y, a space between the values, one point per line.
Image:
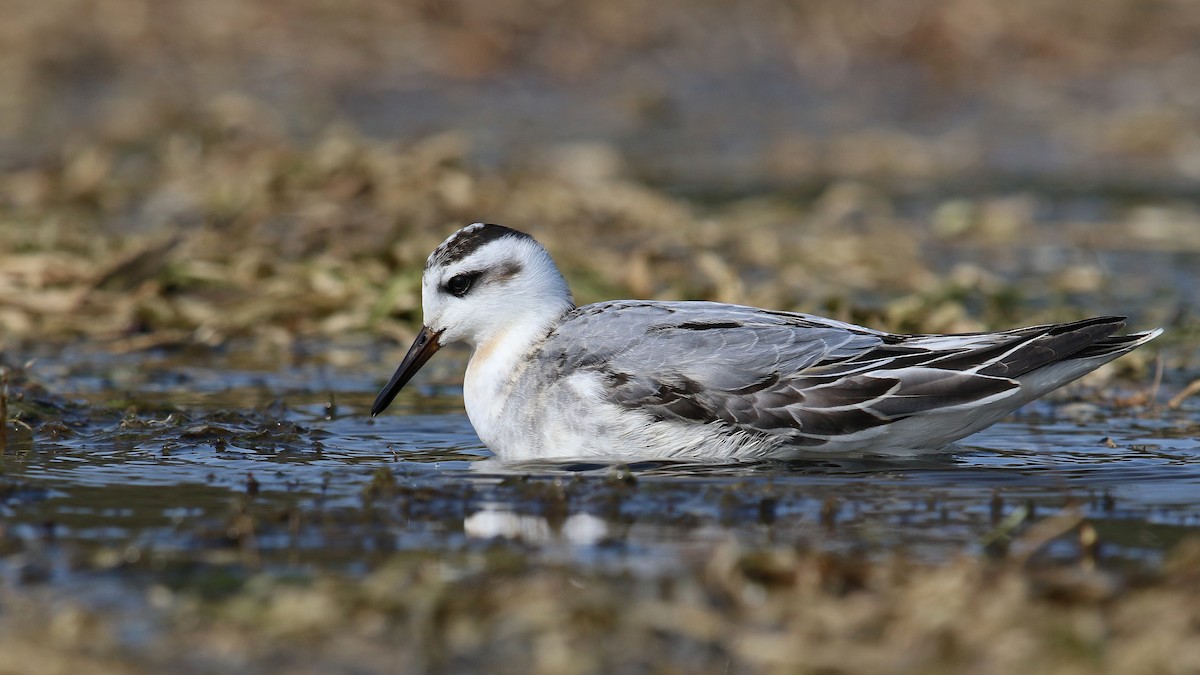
x=493 y=370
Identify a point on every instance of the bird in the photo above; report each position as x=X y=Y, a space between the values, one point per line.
x=639 y=380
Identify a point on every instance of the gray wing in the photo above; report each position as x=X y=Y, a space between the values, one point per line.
x=703 y=362
x=719 y=346
x=794 y=375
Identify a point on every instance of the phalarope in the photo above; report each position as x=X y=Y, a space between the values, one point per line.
x=635 y=380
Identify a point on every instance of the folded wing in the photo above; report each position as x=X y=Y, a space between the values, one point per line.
x=802 y=377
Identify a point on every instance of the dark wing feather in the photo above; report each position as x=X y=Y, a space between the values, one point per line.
x=1054 y=344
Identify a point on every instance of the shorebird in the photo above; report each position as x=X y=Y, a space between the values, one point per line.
x=630 y=380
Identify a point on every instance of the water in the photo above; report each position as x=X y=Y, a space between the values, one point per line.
x=173 y=464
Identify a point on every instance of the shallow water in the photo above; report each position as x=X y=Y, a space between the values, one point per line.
x=225 y=465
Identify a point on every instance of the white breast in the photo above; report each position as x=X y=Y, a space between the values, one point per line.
x=492 y=373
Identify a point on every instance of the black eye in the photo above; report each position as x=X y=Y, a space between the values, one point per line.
x=459 y=284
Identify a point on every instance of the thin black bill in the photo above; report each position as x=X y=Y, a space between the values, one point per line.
x=424 y=347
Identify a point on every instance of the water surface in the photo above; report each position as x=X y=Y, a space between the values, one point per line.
x=162 y=463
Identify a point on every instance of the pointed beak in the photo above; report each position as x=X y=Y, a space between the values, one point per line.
x=425 y=346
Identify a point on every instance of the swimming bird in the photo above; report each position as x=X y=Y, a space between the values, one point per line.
x=629 y=380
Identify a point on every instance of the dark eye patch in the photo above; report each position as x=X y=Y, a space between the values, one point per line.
x=460 y=284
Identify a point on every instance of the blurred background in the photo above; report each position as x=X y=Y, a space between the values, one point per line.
x=181 y=172
x=213 y=220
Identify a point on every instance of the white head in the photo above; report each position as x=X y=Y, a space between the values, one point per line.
x=485 y=278
x=479 y=283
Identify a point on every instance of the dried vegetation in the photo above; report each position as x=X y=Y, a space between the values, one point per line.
x=181 y=174
x=743 y=610
x=227 y=230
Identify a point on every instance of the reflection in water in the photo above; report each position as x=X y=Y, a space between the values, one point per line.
x=581 y=529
